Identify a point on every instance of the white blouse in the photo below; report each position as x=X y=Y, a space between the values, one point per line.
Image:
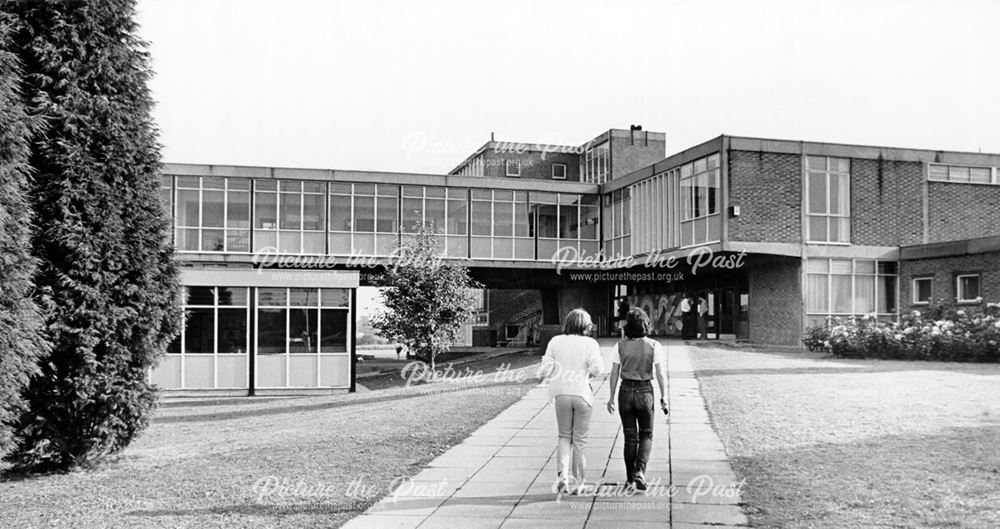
x=569 y=362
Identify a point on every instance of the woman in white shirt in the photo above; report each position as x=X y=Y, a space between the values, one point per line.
x=570 y=360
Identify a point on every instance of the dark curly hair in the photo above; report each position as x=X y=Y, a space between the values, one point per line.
x=637 y=323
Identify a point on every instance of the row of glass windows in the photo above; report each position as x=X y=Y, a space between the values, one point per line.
x=214 y=215
x=475 y=167
x=301 y=336
x=618 y=224
x=966 y=174
x=699 y=201
x=295 y=320
x=966 y=289
x=595 y=167
x=699 y=188
x=841 y=287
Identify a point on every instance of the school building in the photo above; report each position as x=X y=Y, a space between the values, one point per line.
x=776 y=235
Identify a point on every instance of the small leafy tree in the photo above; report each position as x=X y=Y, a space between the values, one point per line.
x=427 y=299
x=21 y=339
x=105 y=260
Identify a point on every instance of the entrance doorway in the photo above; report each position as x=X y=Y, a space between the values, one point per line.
x=732 y=309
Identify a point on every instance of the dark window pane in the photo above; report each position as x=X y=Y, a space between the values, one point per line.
x=336 y=297
x=265 y=185
x=968 y=288
x=290 y=185
x=230 y=296
x=238 y=240
x=191 y=182
x=274 y=297
x=364 y=214
x=314 y=187
x=212 y=240
x=302 y=329
x=413 y=213
x=340 y=189
x=266 y=211
x=388 y=216
x=213 y=202
x=291 y=211
x=887 y=294
x=239 y=183
x=547 y=221
x=238 y=212
x=887 y=267
x=569 y=222
x=340 y=213
x=589 y=216
x=232 y=331
x=482 y=216
x=308 y=297
x=923 y=287
x=435 y=214
x=313 y=211
x=213 y=182
x=334 y=331
x=270 y=331
x=200 y=296
x=503 y=219
x=199 y=334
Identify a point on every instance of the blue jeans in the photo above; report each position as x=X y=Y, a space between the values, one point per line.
x=636 y=408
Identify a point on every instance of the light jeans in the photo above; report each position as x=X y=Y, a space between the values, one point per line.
x=573 y=419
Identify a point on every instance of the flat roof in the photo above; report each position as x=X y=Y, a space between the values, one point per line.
x=378 y=177
x=933 y=250
x=843 y=150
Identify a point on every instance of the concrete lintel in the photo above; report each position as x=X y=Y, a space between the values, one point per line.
x=951 y=248
x=222 y=277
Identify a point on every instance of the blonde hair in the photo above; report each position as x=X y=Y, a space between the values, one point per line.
x=578 y=322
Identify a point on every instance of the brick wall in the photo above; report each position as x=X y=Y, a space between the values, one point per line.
x=631 y=154
x=775 y=301
x=886 y=202
x=768 y=188
x=944 y=271
x=950 y=217
x=533 y=166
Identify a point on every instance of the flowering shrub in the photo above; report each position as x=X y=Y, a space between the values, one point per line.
x=968 y=334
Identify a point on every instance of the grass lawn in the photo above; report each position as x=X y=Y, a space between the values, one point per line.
x=830 y=443
x=197 y=464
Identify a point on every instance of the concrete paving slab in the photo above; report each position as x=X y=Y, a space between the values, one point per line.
x=502 y=476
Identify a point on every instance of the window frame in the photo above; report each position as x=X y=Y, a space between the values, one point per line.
x=994 y=174
x=565 y=170
x=914 y=291
x=827 y=173
x=958 y=287
x=507 y=166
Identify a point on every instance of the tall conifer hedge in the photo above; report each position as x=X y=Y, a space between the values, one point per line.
x=105 y=259
x=21 y=338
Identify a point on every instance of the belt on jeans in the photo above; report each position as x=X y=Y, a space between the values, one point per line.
x=637 y=385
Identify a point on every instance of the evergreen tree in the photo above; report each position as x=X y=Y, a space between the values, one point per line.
x=105 y=258
x=21 y=340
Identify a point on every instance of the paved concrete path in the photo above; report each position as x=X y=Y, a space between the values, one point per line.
x=502 y=475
